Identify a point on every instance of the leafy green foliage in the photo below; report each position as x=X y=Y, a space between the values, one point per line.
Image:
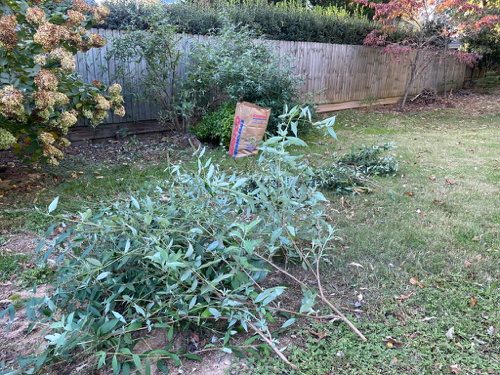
x=290 y=20
x=370 y=162
x=216 y=126
x=10 y=264
x=193 y=247
x=484 y=37
x=159 y=47
x=489 y=82
x=40 y=274
x=230 y=67
x=351 y=172
x=39 y=94
x=234 y=66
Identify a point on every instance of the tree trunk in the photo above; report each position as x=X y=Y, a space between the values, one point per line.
x=445 y=68
x=410 y=81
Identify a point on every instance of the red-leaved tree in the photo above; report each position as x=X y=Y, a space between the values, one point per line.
x=431 y=25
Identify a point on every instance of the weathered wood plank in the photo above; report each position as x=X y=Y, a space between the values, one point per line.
x=324 y=108
x=105 y=131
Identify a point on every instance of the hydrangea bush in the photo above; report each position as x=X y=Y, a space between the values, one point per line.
x=40 y=95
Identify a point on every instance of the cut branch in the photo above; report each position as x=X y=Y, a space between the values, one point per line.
x=322 y=297
x=270 y=343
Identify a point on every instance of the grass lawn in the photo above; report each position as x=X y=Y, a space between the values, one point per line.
x=423 y=251
x=419 y=265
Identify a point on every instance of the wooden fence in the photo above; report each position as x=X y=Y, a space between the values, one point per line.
x=344 y=73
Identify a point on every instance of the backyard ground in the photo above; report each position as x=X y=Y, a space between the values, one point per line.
x=418 y=267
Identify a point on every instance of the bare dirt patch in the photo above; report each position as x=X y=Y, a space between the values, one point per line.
x=16 y=341
x=18 y=243
x=464 y=100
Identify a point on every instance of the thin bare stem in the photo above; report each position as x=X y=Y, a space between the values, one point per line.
x=270 y=343
x=326 y=301
x=322 y=297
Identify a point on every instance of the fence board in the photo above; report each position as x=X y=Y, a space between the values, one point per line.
x=340 y=73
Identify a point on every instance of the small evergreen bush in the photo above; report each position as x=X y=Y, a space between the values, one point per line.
x=216 y=126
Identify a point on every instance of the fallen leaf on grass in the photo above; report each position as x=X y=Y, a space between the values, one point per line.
x=391 y=343
x=420 y=212
x=451 y=333
x=99 y=177
x=480 y=342
x=356 y=265
x=426 y=319
x=435 y=201
x=455 y=369
x=450 y=182
x=473 y=301
x=409 y=193
x=319 y=335
x=403 y=297
x=432 y=178
x=414 y=281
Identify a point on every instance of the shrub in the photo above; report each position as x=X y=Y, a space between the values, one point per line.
x=159 y=47
x=40 y=98
x=128 y=14
x=191 y=248
x=233 y=66
x=217 y=126
x=290 y=20
x=489 y=82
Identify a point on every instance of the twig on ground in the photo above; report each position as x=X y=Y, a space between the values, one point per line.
x=322 y=297
x=270 y=343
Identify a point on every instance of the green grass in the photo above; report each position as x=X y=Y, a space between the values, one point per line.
x=11 y=264
x=438 y=219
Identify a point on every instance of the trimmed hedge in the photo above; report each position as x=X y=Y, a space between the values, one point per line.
x=289 y=21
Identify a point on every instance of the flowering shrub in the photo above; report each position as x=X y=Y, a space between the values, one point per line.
x=40 y=96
